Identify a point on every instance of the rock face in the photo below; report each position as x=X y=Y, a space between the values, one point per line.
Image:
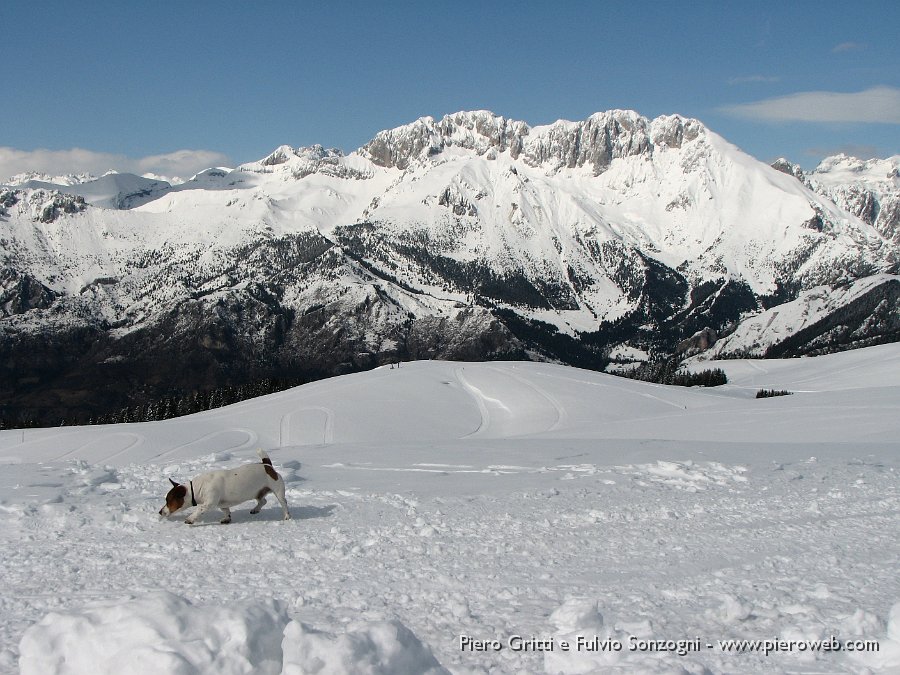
x=22 y=293
x=468 y=237
x=479 y=132
x=698 y=342
x=869 y=189
x=594 y=142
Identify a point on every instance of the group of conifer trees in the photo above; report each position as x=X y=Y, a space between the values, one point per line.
x=197 y=401
x=666 y=371
x=172 y=406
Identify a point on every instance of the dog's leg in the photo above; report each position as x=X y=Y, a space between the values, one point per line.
x=199 y=511
x=227 y=518
x=279 y=492
x=260 y=500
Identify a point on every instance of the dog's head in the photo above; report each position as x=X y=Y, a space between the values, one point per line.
x=175 y=499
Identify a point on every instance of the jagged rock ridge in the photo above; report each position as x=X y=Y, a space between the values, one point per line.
x=595 y=141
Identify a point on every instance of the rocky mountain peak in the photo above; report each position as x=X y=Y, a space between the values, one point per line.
x=844 y=162
x=300 y=162
x=784 y=165
x=867 y=188
x=279 y=156
x=845 y=168
x=479 y=131
x=674 y=130
x=285 y=153
x=596 y=141
x=67 y=179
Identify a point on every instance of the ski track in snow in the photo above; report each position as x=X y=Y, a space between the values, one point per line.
x=510 y=405
x=295 y=427
x=234 y=439
x=480 y=401
x=559 y=409
x=535 y=524
x=110 y=446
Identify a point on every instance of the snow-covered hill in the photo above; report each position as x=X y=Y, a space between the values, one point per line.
x=443 y=501
x=65 y=180
x=111 y=191
x=472 y=236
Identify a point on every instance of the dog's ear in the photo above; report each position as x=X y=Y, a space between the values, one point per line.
x=174 y=484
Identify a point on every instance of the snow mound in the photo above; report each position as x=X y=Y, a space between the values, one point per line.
x=580 y=618
x=164 y=633
x=887 y=658
x=381 y=648
x=577 y=615
x=158 y=633
x=596 y=645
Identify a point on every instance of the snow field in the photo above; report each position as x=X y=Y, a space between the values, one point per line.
x=486 y=500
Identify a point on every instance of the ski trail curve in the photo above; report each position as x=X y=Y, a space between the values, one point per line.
x=561 y=415
x=249 y=435
x=106 y=444
x=478 y=397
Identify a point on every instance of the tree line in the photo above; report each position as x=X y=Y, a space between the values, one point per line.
x=175 y=405
x=666 y=371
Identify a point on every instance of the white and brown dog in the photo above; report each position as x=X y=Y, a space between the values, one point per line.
x=226 y=488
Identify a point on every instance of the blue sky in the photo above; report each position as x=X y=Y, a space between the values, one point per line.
x=175 y=86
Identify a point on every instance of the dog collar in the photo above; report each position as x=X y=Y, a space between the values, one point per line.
x=193 y=501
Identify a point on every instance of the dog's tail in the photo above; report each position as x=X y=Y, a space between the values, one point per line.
x=263 y=456
x=267 y=464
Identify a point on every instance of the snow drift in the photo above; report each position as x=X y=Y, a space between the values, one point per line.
x=161 y=632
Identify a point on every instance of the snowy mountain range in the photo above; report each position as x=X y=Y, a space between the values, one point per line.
x=469 y=237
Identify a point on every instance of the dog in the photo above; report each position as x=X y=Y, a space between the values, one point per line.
x=225 y=488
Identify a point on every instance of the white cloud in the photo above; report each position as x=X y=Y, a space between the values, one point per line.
x=847 y=47
x=851 y=149
x=183 y=163
x=878 y=104
x=746 y=79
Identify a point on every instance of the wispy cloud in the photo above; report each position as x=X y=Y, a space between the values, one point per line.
x=878 y=104
x=747 y=79
x=858 y=151
x=847 y=47
x=182 y=163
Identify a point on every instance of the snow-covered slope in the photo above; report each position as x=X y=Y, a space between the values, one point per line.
x=111 y=191
x=65 y=179
x=472 y=236
x=867 y=188
x=444 y=501
x=820 y=320
x=869 y=368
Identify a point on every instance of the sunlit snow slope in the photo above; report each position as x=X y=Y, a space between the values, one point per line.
x=489 y=500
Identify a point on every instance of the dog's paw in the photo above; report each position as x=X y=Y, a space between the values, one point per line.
x=225 y=521
x=254 y=511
